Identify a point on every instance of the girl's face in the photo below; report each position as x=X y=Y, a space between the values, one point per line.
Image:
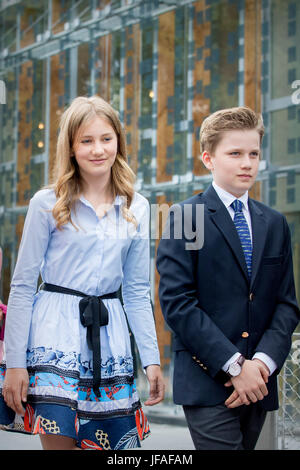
x=95 y=148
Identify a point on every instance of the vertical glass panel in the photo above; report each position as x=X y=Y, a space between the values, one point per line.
x=285 y=132
x=181 y=57
x=83 y=10
x=25 y=127
x=8 y=28
x=59 y=96
x=146 y=68
x=34 y=20
x=145 y=155
x=60 y=79
x=224 y=51
x=116 y=3
x=61 y=14
x=285 y=46
x=180 y=91
x=7 y=118
x=38 y=106
x=115 y=82
x=102 y=4
x=101 y=64
x=84 y=70
x=180 y=163
x=7 y=186
x=36 y=177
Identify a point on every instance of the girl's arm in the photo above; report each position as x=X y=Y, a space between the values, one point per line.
x=137 y=305
x=33 y=246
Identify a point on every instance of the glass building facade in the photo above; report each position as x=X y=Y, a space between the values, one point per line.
x=164 y=65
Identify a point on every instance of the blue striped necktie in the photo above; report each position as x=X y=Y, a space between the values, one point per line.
x=243 y=231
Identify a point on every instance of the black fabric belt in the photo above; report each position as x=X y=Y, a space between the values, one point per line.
x=93 y=314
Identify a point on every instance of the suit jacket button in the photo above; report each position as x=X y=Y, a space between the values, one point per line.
x=251 y=296
x=245 y=334
x=194 y=357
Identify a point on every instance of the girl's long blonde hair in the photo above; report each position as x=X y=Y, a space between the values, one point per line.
x=67 y=182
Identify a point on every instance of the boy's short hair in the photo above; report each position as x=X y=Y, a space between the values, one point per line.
x=239 y=118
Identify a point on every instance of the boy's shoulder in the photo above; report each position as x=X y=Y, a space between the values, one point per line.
x=265 y=209
x=195 y=199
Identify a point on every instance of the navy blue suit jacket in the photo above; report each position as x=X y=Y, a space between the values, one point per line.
x=212 y=307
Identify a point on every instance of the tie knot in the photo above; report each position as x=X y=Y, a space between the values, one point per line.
x=237 y=205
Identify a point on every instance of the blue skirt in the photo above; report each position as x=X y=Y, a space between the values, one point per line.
x=90 y=420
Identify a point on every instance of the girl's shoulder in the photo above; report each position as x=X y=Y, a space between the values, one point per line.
x=140 y=209
x=139 y=205
x=139 y=200
x=44 y=198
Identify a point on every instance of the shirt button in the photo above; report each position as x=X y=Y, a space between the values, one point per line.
x=245 y=334
x=251 y=296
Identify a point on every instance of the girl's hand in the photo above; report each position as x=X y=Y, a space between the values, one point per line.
x=157 y=386
x=15 y=389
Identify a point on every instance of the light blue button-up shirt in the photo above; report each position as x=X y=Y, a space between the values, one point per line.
x=96 y=259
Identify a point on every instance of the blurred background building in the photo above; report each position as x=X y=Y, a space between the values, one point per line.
x=164 y=65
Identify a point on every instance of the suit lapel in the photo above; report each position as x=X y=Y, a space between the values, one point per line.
x=259 y=233
x=221 y=218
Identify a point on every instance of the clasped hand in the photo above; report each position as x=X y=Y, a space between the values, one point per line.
x=249 y=385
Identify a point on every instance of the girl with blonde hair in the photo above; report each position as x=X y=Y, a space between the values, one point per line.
x=68 y=362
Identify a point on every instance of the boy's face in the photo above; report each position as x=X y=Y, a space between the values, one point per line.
x=235 y=160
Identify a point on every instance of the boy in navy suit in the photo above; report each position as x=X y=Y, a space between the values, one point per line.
x=230 y=300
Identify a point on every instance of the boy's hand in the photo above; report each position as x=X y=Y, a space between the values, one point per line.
x=250 y=384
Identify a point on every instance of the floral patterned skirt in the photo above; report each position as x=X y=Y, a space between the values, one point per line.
x=60 y=397
x=67 y=406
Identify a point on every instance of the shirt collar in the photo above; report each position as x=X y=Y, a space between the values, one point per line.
x=117 y=202
x=228 y=198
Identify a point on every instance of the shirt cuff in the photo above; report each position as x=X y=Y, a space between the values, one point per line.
x=230 y=361
x=267 y=360
x=14 y=361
